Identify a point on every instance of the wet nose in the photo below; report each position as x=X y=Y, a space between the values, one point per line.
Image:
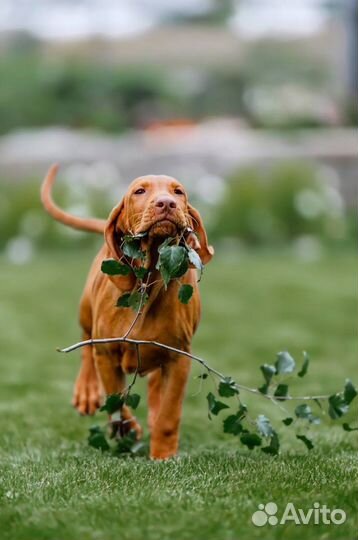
x=165 y=204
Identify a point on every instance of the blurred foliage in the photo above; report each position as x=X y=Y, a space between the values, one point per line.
x=39 y=89
x=272 y=206
x=278 y=205
x=36 y=92
x=22 y=215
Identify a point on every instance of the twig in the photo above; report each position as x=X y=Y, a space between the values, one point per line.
x=137 y=342
x=139 y=312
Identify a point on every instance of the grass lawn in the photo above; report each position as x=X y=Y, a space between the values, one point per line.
x=54 y=487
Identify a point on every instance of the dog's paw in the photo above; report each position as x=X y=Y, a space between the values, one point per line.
x=86 y=395
x=124 y=422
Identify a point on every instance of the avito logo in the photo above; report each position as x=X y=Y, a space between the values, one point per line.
x=267 y=514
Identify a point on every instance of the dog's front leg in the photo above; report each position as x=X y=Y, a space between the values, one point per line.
x=113 y=382
x=165 y=433
x=86 y=395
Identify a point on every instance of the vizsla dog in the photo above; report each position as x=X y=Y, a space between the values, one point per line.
x=158 y=206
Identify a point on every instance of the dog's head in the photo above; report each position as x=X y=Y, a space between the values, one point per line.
x=158 y=206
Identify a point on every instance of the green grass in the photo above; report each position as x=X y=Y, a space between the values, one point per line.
x=54 y=487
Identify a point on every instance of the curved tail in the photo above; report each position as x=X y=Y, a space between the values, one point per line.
x=84 y=224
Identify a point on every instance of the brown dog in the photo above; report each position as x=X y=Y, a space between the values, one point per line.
x=157 y=205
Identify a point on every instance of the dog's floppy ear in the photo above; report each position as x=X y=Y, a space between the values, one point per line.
x=205 y=251
x=115 y=229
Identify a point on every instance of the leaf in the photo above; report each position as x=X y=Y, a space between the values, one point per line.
x=273 y=448
x=203 y=376
x=250 y=440
x=263 y=389
x=232 y=424
x=287 y=421
x=123 y=301
x=195 y=260
x=140 y=272
x=113 y=403
x=304 y=411
x=115 y=268
x=309 y=444
x=165 y=244
x=316 y=400
x=172 y=262
x=131 y=247
x=125 y=444
x=227 y=387
x=284 y=363
x=268 y=372
x=185 y=293
x=304 y=368
x=264 y=426
x=215 y=406
x=337 y=406
x=281 y=391
x=132 y=400
x=135 y=300
x=350 y=391
x=97 y=439
x=347 y=427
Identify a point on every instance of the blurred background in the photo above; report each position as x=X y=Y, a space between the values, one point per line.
x=250 y=103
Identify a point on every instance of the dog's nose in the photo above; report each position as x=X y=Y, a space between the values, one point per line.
x=165 y=204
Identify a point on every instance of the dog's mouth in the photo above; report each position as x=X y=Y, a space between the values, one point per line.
x=164 y=228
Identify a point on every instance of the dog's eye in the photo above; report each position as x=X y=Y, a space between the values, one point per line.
x=139 y=191
x=178 y=191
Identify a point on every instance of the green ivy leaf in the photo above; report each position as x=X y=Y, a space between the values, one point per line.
x=135 y=300
x=273 y=448
x=281 y=391
x=304 y=368
x=227 y=387
x=264 y=426
x=250 y=440
x=232 y=424
x=97 y=439
x=304 y=411
x=347 y=427
x=337 y=406
x=113 y=403
x=172 y=262
x=268 y=372
x=350 y=392
x=132 y=400
x=215 y=406
x=123 y=301
x=131 y=247
x=167 y=242
x=140 y=272
x=263 y=389
x=308 y=443
x=287 y=421
x=185 y=293
x=195 y=260
x=284 y=363
x=115 y=268
x=125 y=444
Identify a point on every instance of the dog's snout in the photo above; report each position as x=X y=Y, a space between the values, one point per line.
x=165 y=204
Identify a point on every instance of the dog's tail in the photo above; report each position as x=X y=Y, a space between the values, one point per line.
x=84 y=224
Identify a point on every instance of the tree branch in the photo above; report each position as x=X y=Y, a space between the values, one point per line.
x=202 y=362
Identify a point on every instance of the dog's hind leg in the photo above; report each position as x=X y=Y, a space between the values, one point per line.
x=154 y=396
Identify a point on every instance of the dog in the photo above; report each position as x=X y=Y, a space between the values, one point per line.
x=156 y=207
